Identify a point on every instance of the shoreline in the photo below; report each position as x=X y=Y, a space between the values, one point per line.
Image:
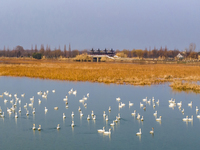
x=116 y=73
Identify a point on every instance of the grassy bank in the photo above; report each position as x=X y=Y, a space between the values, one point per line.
x=120 y=73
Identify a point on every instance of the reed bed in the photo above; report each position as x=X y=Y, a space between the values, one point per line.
x=186 y=86
x=119 y=73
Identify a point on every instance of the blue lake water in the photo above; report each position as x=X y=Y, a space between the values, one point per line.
x=171 y=133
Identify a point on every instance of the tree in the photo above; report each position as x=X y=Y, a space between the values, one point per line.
x=37 y=55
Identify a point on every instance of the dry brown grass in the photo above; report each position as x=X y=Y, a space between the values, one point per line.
x=119 y=73
x=186 y=86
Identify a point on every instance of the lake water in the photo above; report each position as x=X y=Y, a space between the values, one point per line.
x=171 y=133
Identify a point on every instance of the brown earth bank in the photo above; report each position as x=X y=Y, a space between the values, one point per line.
x=119 y=73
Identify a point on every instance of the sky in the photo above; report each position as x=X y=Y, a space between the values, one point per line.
x=87 y=24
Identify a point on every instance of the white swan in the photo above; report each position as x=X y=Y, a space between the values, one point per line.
x=45 y=109
x=74 y=92
x=16 y=116
x=53 y=91
x=141 y=105
x=58 y=127
x=107 y=118
x=159 y=119
x=33 y=127
x=109 y=109
x=81 y=100
x=197 y=109
x=104 y=113
x=92 y=114
x=101 y=130
x=152 y=131
x=88 y=94
x=94 y=117
x=120 y=106
x=182 y=110
x=144 y=100
x=118 y=98
x=198 y=116
x=138 y=116
x=72 y=114
x=84 y=98
x=155 y=114
x=85 y=105
x=5 y=100
x=118 y=117
x=130 y=104
x=142 y=119
x=139 y=133
x=79 y=109
x=190 y=104
x=107 y=132
x=113 y=123
x=158 y=102
x=27 y=113
x=180 y=103
x=185 y=119
x=55 y=108
x=22 y=95
x=39 y=101
x=33 y=111
x=64 y=116
x=2 y=116
x=190 y=119
x=153 y=99
x=81 y=114
x=39 y=128
x=134 y=113
x=25 y=106
x=72 y=125
x=88 y=118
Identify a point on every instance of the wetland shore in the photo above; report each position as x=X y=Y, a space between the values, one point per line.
x=104 y=72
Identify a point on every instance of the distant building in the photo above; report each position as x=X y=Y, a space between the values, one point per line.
x=98 y=54
x=110 y=53
x=179 y=56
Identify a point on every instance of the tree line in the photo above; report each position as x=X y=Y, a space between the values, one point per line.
x=19 y=51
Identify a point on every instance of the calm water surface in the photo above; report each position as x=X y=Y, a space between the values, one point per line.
x=171 y=133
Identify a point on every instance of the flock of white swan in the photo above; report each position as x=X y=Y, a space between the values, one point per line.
x=15 y=100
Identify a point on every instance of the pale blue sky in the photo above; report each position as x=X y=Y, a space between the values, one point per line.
x=86 y=24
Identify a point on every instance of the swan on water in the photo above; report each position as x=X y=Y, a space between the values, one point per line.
x=101 y=130
x=139 y=133
x=107 y=132
x=33 y=127
x=39 y=128
x=134 y=113
x=152 y=131
x=58 y=127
